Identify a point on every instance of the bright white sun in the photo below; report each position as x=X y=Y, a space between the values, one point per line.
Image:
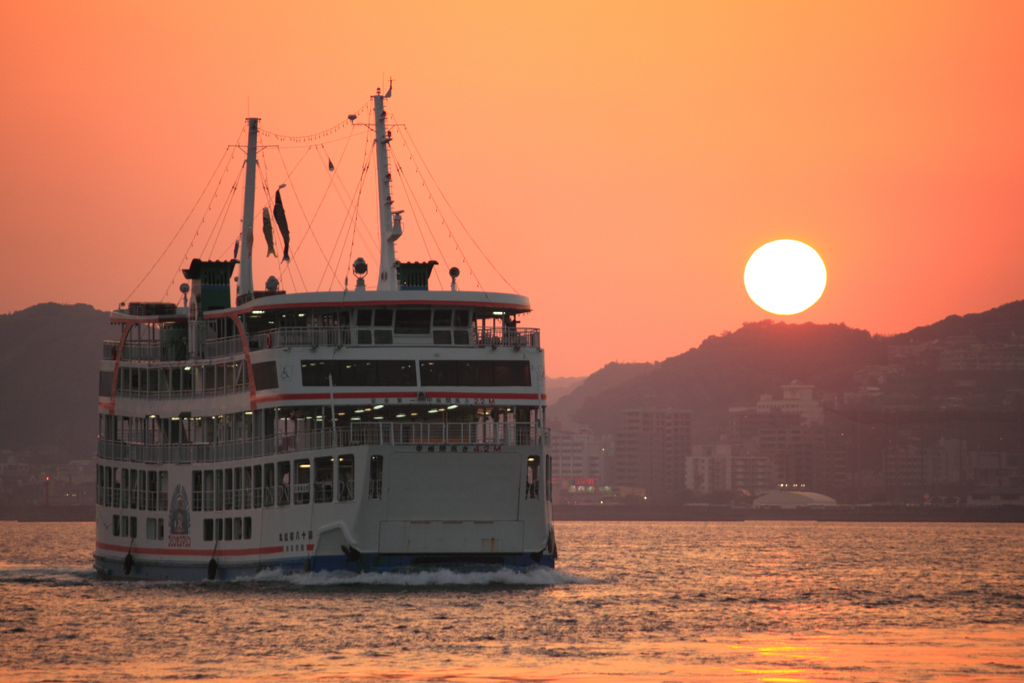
x=785 y=277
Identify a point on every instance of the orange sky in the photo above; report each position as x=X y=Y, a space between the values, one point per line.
x=617 y=162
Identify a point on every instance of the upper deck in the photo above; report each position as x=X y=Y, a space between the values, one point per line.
x=363 y=318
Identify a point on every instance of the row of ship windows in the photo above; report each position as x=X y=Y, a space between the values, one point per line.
x=445 y=373
x=197 y=379
x=287 y=482
x=127 y=526
x=230 y=377
x=135 y=489
x=401 y=321
x=230 y=529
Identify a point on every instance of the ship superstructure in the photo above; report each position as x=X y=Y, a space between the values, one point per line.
x=365 y=430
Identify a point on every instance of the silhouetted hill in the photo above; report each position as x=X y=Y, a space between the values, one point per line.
x=608 y=377
x=49 y=370
x=1002 y=324
x=735 y=368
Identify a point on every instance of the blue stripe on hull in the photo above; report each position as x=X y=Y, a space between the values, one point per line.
x=108 y=568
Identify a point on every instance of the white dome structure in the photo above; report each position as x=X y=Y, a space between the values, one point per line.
x=790 y=499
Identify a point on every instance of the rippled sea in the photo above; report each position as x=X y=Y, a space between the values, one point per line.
x=753 y=601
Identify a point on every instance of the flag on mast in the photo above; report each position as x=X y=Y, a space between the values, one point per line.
x=282 y=223
x=268 y=232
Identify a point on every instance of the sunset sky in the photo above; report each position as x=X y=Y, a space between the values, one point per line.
x=616 y=162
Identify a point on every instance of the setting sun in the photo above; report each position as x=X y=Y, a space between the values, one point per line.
x=785 y=277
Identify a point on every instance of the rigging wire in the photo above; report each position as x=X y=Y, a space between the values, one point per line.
x=372 y=236
x=353 y=211
x=437 y=209
x=404 y=133
x=218 y=224
x=269 y=205
x=415 y=205
x=183 y=223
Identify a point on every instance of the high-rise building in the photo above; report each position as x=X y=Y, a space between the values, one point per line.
x=651 y=450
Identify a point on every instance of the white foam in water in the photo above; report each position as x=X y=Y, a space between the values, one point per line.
x=539 y=576
x=58 y=576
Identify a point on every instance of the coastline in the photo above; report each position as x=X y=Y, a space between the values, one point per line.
x=661 y=513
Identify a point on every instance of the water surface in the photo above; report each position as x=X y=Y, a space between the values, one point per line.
x=757 y=601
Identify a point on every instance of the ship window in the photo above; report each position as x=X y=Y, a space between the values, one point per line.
x=461 y=319
x=302 y=482
x=346 y=477
x=376 y=476
x=323 y=480
x=133 y=488
x=238 y=528
x=117 y=525
x=442 y=318
x=412 y=321
x=229 y=494
x=152 y=381
x=248 y=487
x=160 y=528
x=208 y=492
x=364 y=317
x=220 y=529
x=176 y=379
x=219 y=488
x=117 y=487
x=106 y=383
x=207 y=529
x=268 y=485
x=476 y=373
x=151 y=489
x=383 y=337
x=364 y=337
x=532 y=477
x=547 y=475
x=515 y=373
x=151 y=528
x=265 y=375
x=133 y=529
x=382 y=317
x=124 y=487
x=284 y=482
x=247 y=528
x=227 y=529
x=197 y=490
x=162 y=491
x=442 y=336
x=396 y=373
x=257 y=486
x=439 y=373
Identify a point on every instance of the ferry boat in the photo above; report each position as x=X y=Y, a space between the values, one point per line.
x=387 y=429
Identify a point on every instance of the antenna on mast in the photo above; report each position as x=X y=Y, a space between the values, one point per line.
x=245 y=291
x=389 y=231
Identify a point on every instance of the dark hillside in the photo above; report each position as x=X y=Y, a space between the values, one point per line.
x=49 y=375
x=608 y=377
x=1002 y=324
x=735 y=368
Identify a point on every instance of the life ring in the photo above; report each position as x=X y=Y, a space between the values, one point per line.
x=268 y=340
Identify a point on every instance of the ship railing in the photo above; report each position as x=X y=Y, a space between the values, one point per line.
x=146 y=350
x=226 y=346
x=312 y=337
x=509 y=336
x=375 y=434
x=168 y=394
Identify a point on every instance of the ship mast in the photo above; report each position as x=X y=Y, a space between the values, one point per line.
x=390 y=222
x=245 y=290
